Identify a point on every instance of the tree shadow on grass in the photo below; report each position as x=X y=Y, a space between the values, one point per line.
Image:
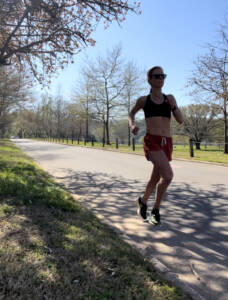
x=49 y=253
x=192 y=240
x=65 y=257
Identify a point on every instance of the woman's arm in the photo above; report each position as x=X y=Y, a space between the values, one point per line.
x=131 y=118
x=175 y=109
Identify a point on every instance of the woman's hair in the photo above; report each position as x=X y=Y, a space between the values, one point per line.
x=151 y=71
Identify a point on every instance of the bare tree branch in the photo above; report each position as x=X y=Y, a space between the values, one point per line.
x=41 y=27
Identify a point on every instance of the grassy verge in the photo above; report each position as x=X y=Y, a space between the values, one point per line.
x=208 y=154
x=53 y=248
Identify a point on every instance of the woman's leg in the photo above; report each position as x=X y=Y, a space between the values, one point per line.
x=162 y=165
x=155 y=177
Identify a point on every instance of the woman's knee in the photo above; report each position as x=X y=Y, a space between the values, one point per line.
x=167 y=178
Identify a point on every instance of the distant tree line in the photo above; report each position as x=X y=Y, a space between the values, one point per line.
x=83 y=118
x=100 y=103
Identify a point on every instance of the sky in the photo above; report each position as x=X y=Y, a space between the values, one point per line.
x=168 y=33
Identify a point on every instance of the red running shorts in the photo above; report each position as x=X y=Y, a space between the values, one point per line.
x=156 y=143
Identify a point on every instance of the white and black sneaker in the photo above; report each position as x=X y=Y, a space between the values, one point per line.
x=155 y=218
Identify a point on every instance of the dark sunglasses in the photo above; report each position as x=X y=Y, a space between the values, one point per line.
x=159 y=76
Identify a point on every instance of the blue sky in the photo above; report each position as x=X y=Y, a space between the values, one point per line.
x=170 y=33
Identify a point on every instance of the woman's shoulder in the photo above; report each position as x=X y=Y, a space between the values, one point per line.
x=170 y=100
x=142 y=101
x=169 y=96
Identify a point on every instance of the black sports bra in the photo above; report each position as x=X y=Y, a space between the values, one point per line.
x=152 y=109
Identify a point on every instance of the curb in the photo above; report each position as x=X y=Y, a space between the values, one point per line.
x=173 y=277
x=159 y=266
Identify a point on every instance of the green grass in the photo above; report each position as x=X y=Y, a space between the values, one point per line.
x=53 y=248
x=207 y=154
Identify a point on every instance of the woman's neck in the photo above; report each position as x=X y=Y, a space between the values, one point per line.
x=156 y=95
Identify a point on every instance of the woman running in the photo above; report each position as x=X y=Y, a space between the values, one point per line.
x=157 y=143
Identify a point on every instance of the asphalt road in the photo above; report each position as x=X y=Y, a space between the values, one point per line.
x=193 y=238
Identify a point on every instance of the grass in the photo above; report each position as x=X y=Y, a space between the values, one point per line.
x=51 y=247
x=208 y=154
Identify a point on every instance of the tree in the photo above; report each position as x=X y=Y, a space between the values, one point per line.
x=119 y=130
x=133 y=85
x=83 y=98
x=12 y=94
x=24 y=124
x=60 y=116
x=74 y=120
x=12 y=90
x=46 y=116
x=5 y=124
x=198 y=121
x=210 y=77
x=45 y=34
x=106 y=75
x=217 y=131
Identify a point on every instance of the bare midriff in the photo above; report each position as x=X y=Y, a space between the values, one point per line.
x=158 y=126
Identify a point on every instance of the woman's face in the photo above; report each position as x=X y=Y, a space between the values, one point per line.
x=157 y=78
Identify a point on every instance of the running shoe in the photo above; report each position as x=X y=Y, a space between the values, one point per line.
x=142 y=209
x=155 y=218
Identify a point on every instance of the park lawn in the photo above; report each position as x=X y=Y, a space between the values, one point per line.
x=51 y=247
x=208 y=154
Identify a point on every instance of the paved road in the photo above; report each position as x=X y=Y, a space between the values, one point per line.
x=193 y=239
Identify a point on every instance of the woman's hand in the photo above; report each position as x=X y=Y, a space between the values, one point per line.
x=134 y=129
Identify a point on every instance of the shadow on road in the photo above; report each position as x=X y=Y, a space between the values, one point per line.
x=192 y=224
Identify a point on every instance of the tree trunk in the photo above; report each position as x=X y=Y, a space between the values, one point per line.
x=87 y=129
x=107 y=132
x=128 y=112
x=129 y=136
x=103 y=130
x=80 y=131
x=87 y=120
x=72 y=135
x=107 y=124
x=225 y=133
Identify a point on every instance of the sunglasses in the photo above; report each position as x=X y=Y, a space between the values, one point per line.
x=159 y=76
